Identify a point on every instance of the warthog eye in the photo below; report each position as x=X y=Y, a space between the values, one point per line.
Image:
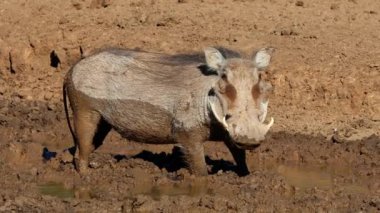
x=228 y=116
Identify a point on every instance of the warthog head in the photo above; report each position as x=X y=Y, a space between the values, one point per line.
x=239 y=100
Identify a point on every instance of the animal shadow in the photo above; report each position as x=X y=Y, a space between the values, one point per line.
x=176 y=160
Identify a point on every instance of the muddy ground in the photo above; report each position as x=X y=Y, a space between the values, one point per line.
x=323 y=154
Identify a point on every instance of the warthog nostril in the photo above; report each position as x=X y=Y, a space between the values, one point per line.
x=237 y=129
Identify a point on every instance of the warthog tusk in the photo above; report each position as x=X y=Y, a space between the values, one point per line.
x=222 y=121
x=264 y=111
x=266 y=127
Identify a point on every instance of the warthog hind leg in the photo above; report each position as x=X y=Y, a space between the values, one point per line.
x=86 y=125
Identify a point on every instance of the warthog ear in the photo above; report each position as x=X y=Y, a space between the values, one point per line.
x=214 y=59
x=262 y=57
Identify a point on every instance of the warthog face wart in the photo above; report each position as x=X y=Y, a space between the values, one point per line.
x=240 y=98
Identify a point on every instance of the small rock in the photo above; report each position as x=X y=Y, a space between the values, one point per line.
x=288 y=33
x=376 y=117
x=77 y=4
x=299 y=3
x=63 y=20
x=127 y=206
x=3 y=89
x=348 y=133
x=336 y=138
x=51 y=106
x=207 y=202
x=48 y=96
x=284 y=33
x=24 y=94
x=364 y=151
x=160 y=24
x=106 y=3
x=94 y=165
x=334 y=6
x=100 y=3
x=141 y=204
x=371 y=12
x=112 y=164
x=34 y=171
x=20 y=58
x=143 y=18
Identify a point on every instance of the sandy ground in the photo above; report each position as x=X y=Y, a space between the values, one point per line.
x=322 y=155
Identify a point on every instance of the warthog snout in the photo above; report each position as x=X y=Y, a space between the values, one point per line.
x=245 y=143
x=246 y=136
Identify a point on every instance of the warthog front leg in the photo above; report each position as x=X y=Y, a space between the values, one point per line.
x=192 y=146
x=239 y=157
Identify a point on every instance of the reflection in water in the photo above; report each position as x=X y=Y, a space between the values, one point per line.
x=307 y=177
x=59 y=190
x=302 y=177
x=56 y=189
x=156 y=191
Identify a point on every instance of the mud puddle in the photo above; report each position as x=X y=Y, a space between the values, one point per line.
x=304 y=177
x=155 y=191
x=56 y=189
x=192 y=189
x=59 y=190
x=301 y=177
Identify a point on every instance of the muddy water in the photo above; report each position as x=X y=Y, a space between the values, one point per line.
x=191 y=188
x=155 y=191
x=56 y=189
x=300 y=177
x=304 y=177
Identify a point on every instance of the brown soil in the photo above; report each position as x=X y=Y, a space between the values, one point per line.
x=322 y=155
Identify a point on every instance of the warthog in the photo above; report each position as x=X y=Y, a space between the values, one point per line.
x=163 y=99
